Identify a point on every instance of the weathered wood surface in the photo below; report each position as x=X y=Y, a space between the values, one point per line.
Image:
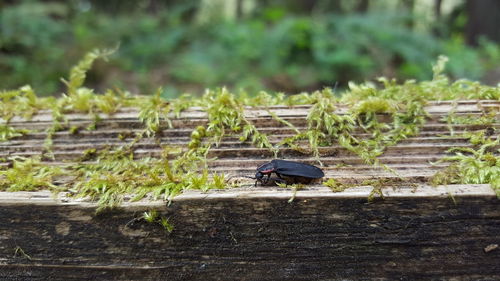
x=238 y=158
x=256 y=234
x=416 y=233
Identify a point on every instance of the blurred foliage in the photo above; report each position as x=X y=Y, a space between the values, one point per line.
x=274 y=48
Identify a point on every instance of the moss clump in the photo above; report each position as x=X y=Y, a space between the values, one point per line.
x=152 y=110
x=479 y=164
x=7 y=132
x=336 y=186
x=226 y=116
x=28 y=174
x=154 y=217
x=117 y=173
x=374 y=105
x=324 y=126
x=23 y=103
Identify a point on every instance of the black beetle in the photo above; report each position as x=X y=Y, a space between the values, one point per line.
x=288 y=172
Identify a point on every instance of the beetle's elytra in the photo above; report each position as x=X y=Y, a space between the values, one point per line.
x=288 y=172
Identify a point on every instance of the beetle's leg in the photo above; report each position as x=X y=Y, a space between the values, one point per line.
x=281 y=180
x=266 y=180
x=261 y=181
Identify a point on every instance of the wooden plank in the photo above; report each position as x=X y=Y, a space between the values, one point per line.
x=256 y=234
x=45 y=197
x=433 y=108
x=417 y=232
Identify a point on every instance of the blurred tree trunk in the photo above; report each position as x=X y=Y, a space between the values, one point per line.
x=301 y=7
x=363 y=6
x=408 y=5
x=483 y=20
x=437 y=27
x=150 y=6
x=239 y=9
x=304 y=7
x=437 y=9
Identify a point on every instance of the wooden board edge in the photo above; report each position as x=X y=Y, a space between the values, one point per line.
x=420 y=191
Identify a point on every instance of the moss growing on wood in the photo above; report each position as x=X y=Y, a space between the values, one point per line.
x=155 y=218
x=479 y=164
x=116 y=173
x=112 y=173
x=28 y=174
x=336 y=186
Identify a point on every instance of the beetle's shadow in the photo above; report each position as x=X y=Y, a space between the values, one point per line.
x=273 y=181
x=287 y=180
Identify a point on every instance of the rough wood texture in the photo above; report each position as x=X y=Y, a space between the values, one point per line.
x=236 y=158
x=418 y=232
x=258 y=236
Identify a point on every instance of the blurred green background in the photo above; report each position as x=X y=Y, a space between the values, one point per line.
x=288 y=46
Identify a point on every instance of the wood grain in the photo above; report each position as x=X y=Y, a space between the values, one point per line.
x=417 y=232
x=258 y=235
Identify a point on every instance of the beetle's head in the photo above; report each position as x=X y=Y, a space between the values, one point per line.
x=259 y=175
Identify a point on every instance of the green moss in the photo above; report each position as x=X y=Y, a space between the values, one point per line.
x=7 y=132
x=29 y=174
x=154 y=217
x=336 y=186
x=483 y=120
x=479 y=164
x=452 y=118
x=324 y=126
x=113 y=173
x=226 y=117
x=79 y=72
x=152 y=110
x=116 y=173
x=373 y=105
x=380 y=183
x=293 y=187
x=22 y=102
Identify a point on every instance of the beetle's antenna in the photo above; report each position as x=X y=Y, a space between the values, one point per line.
x=254 y=178
x=232 y=177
